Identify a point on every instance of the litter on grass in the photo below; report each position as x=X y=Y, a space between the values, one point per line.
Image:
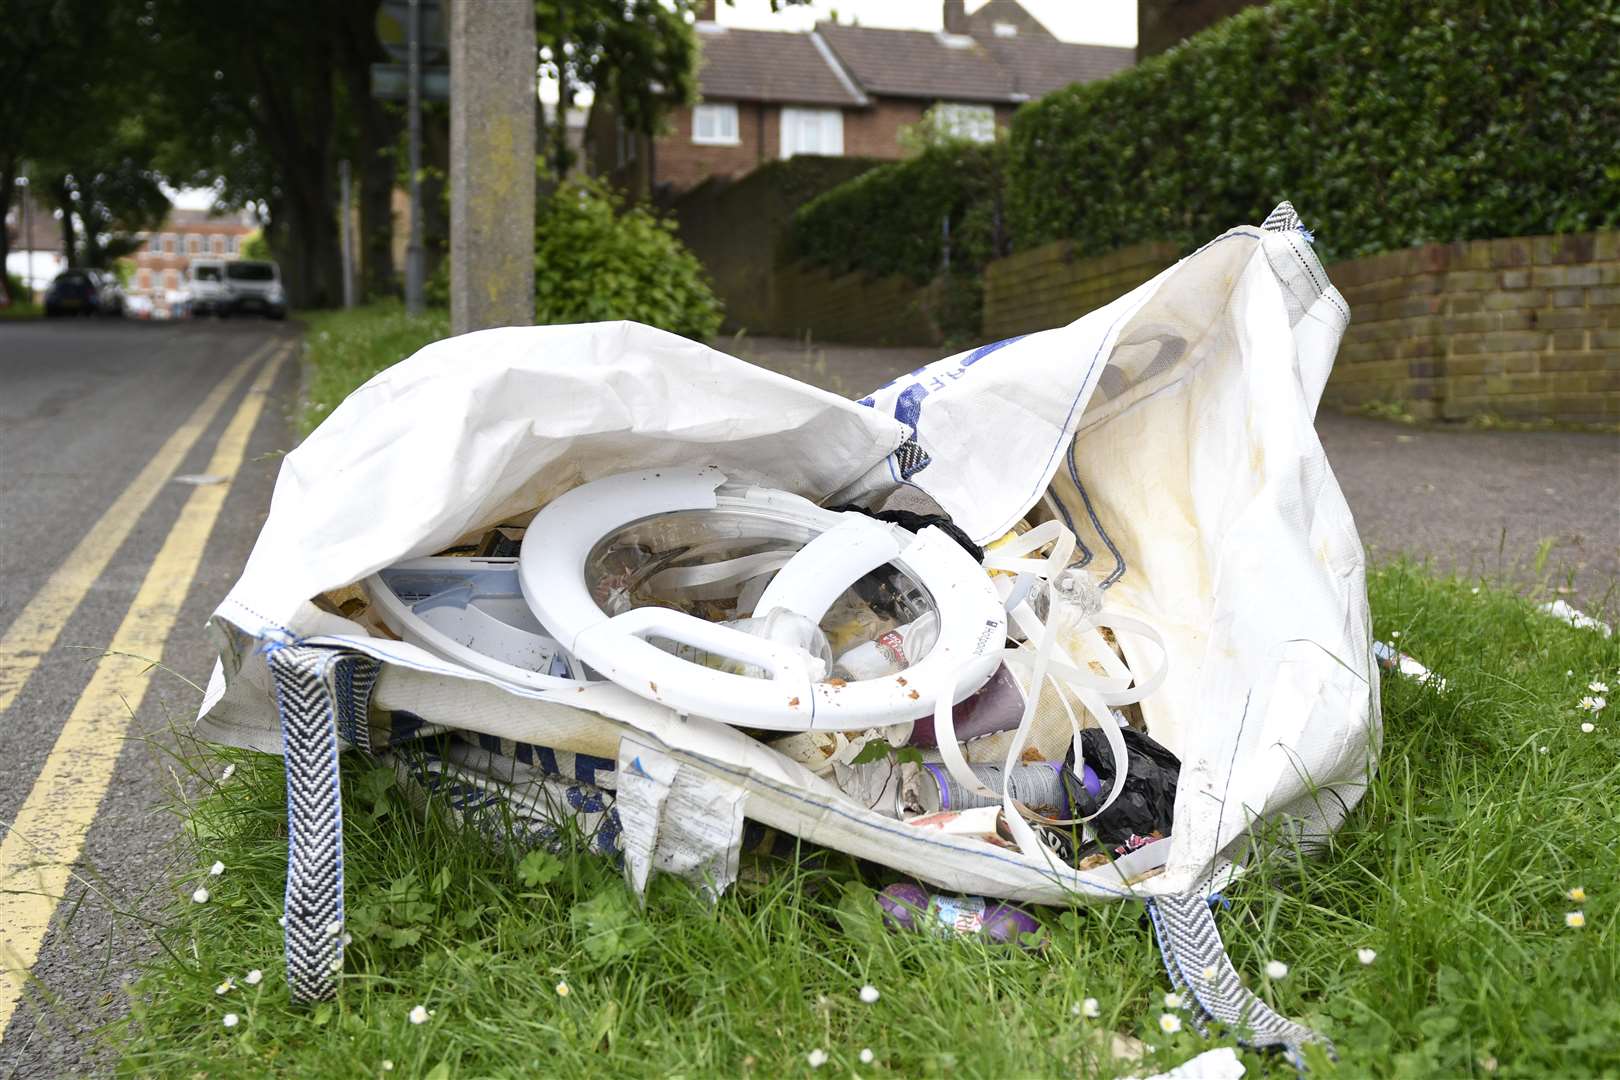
x=1009 y=627
x=1563 y=612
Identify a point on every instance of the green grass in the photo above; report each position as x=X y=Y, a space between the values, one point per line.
x=345 y=348
x=1489 y=804
x=21 y=309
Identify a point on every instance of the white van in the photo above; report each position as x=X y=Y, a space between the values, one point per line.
x=210 y=293
x=256 y=286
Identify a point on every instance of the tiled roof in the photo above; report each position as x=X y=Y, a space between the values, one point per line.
x=768 y=65
x=1040 y=66
x=920 y=64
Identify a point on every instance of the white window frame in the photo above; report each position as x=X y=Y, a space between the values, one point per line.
x=966 y=120
x=828 y=128
x=236 y=245
x=155 y=244
x=715 y=123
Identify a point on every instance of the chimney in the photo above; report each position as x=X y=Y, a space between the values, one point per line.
x=704 y=10
x=956 y=17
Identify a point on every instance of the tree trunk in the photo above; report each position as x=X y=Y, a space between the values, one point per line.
x=64 y=202
x=377 y=130
x=8 y=181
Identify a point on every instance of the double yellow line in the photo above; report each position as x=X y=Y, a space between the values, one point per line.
x=38 y=849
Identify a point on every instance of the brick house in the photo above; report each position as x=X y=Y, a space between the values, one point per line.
x=164 y=258
x=843 y=91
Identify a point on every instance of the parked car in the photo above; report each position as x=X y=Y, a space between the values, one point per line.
x=210 y=293
x=73 y=292
x=110 y=298
x=256 y=286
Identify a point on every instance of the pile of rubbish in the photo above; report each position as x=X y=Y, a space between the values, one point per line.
x=974 y=691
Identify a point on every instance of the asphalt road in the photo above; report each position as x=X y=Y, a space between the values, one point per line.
x=84 y=405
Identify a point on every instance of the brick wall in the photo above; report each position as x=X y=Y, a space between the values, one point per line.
x=1526 y=328
x=1049 y=286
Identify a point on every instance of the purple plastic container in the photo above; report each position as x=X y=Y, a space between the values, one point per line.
x=907 y=906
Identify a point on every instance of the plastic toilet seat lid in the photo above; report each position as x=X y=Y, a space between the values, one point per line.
x=471 y=611
x=792 y=697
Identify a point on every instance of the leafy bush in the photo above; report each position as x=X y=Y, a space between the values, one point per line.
x=1387 y=123
x=596 y=259
x=892 y=220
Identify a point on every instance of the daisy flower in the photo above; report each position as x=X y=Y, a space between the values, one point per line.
x=1588 y=727
x=817 y=1058
x=1276 y=969
x=225 y=987
x=231 y=1020
x=252 y=978
x=387 y=1065
x=200 y=896
x=563 y=989
x=419 y=1015
x=217 y=869
x=1366 y=956
x=1090 y=1009
x=1172 y=1001
x=1598 y=687
x=230 y=770
x=1577 y=894
x=869 y=994
x=1592 y=704
x=867 y=1056
x=1169 y=1023
x=1575 y=920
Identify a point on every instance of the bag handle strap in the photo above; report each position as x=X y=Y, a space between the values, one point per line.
x=322 y=695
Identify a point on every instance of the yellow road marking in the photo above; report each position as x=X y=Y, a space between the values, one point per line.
x=35 y=629
x=38 y=852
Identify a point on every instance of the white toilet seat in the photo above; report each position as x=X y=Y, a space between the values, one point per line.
x=560 y=540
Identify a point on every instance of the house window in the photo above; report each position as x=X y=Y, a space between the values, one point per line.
x=957 y=120
x=1005 y=29
x=193 y=244
x=218 y=244
x=236 y=245
x=168 y=243
x=171 y=279
x=715 y=125
x=812 y=131
x=154 y=243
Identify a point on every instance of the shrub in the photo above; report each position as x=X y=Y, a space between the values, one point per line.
x=1387 y=123
x=596 y=259
x=893 y=219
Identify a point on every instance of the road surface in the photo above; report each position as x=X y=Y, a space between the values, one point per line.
x=97 y=420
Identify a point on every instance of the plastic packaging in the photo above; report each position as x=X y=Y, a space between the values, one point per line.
x=907 y=906
x=890 y=652
x=1145 y=809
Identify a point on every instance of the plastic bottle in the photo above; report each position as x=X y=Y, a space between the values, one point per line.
x=1038 y=785
x=907 y=906
x=891 y=652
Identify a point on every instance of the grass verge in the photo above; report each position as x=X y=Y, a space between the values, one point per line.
x=1490 y=805
x=345 y=348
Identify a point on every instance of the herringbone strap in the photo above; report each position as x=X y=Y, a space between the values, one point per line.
x=320 y=694
x=1202 y=973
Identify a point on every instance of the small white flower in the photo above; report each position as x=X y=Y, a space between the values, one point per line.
x=1474 y=590
x=1210 y=974
x=348 y=939
x=1276 y=969
x=1394 y=633
x=1172 y=1001
x=869 y=994
x=1575 y=920
x=200 y=896
x=562 y=989
x=283 y=922
x=867 y=1056
x=1366 y=956
x=230 y=770
x=1169 y=1023
x=817 y=1058
x=253 y=977
x=217 y=869
x=334 y=928
x=1598 y=687
x=1592 y=704
x=419 y=1015
x=1577 y=894
x=225 y=987
x=1588 y=727
x=1541 y=749
x=231 y=1020
x=387 y=1065
x=1090 y=1009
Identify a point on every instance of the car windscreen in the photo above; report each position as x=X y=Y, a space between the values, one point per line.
x=72 y=277
x=250 y=271
x=206 y=273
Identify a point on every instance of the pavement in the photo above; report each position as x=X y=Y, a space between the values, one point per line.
x=88 y=406
x=85 y=405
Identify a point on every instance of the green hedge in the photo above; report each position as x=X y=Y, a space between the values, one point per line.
x=891 y=220
x=1387 y=123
